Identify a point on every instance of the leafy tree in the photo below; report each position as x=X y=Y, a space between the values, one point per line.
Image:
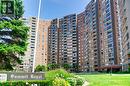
x=14 y=43
x=66 y=66
x=53 y=66
x=13 y=38
x=40 y=68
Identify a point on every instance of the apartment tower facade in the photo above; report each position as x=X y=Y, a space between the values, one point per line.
x=69 y=53
x=81 y=34
x=41 y=46
x=42 y=43
x=98 y=32
x=125 y=30
x=110 y=25
x=53 y=36
x=27 y=64
x=63 y=42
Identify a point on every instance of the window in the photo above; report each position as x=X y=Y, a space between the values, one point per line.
x=124 y=2
x=110 y=36
x=107 y=10
x=126 y=27
x=109 y=18
x=127 y=36
x=107 y=6
x=74 y=49
x=74 y=54
x=108 y=14
x=128 y=45
x=110 y=45
x=109 y=27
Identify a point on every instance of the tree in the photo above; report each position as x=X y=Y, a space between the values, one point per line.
x=129 y=69
x=53 y=66
x=40 y=68
x=13 y=39
x=66 y=66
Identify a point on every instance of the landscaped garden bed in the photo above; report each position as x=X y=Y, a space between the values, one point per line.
x=57 y=77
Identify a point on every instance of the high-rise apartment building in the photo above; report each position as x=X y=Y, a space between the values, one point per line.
x=53 y=36
x=110 y=24
x=63 y=41
x=98 y=36
x=102 y=40
x=41 y=46
x=91 y=51
x=125 y=30
x=69 y=51
x=32 y=40
x=89 y=41
x=96 y=39
x=27 y=63
x=42 y=43
x=88 y=38
x=81 y=34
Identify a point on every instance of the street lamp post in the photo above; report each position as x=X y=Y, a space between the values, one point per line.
x=39 y=11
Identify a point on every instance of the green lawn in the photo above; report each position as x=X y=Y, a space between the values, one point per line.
x=107 y=79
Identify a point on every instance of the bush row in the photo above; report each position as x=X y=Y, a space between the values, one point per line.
x=58 y=77
x=26 y=83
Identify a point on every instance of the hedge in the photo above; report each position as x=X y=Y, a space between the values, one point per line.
x=26 y=83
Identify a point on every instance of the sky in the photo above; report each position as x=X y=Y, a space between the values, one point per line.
x=51 y=9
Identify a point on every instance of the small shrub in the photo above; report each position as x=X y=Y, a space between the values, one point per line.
x=76 y=81
x=53 y=66
x=60 y=82
x=61 y=73
x=40 y=68
x=79 y=81
x=129 y=69
x=72 y=81
x=51 y=75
